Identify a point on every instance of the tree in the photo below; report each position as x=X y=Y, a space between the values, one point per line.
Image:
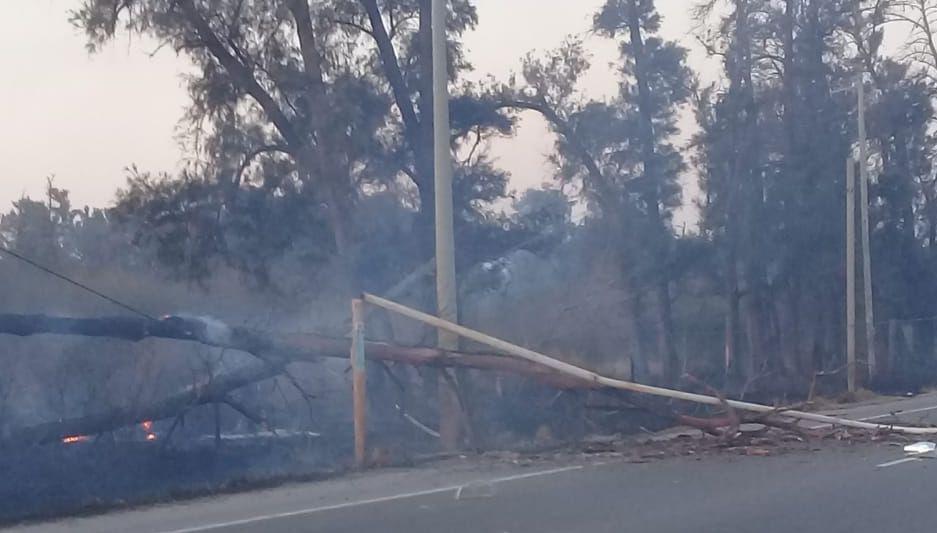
x=190 y=230
x=735 y=189
x=56 y=234
x=297 y=111
x=620 y=153
x=774 y=141
x=263 y=71
x=921 y=17
x=920 y=55
x=900 y=121
x=590 y=152
x=544 y=211
x=401 y=33
x=655 y=83
x=290 y=96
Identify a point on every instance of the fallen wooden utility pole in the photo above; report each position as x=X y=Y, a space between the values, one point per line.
x=603 y=381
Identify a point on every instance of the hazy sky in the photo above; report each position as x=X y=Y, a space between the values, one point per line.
x=84 y=118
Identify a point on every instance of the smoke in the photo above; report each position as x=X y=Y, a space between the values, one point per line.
x=554 y=295
x=212 y=330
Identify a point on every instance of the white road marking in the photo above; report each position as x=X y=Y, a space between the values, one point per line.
x=371 y=501
x=898 y=462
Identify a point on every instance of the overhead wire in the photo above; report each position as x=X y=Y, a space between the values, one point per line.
x=75 y=283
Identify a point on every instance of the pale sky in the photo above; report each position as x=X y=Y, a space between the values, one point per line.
x=84 y=118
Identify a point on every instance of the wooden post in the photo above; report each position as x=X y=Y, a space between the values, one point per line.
x=851 y=274
x=866 y=239
x=450 y=415
x=359 y=382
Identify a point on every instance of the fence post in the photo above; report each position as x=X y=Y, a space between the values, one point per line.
x=359 y=382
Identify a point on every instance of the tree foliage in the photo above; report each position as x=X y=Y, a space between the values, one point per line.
x=297 y=109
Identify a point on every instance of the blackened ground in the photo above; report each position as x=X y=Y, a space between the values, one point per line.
x=835 y=485
x=85 y=477
x=59 y=479
x=101 y=474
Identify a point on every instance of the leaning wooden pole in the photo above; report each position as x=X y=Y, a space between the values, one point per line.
x=359 y=382
x=602 y=381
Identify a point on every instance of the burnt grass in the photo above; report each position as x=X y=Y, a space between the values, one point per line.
x=89 y=477
x=103 y=474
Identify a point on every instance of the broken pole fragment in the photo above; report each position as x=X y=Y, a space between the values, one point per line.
x=359 y=382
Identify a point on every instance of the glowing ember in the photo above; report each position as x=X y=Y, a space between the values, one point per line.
x=75 y=438
x=147 y=426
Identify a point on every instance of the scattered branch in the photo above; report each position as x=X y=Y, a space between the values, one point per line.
x=731 y=417
x=173 y=406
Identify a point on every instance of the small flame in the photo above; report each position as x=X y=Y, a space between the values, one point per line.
x=147 y=426
x=72 y=439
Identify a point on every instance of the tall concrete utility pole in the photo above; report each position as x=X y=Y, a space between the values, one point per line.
x=450 y=422
x=851 y=274
x=866 y=240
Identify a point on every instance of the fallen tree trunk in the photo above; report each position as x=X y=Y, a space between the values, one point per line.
x=198 y=329
x=270 y=346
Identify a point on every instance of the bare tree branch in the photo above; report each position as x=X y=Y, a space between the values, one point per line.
x=213 y=391
x=254 y=154
x=391 y=66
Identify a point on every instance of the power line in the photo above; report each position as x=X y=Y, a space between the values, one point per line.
x=78 y=284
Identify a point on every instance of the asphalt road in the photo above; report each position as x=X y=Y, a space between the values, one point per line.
x=856 y=489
